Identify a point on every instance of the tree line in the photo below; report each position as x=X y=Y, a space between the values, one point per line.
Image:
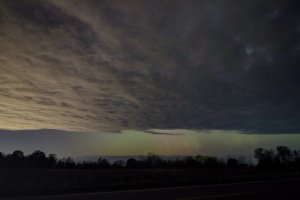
x=281 y=158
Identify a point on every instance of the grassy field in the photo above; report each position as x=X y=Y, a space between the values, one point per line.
x=19 y=182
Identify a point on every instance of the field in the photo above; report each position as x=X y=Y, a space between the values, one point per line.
x=20 y=182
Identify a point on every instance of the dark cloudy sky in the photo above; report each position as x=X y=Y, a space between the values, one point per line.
x=114 y=65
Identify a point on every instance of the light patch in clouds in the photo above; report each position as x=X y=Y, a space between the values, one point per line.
x=114 y=65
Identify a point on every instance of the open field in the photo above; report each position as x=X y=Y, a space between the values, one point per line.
x=275 y=189
x=24 y=182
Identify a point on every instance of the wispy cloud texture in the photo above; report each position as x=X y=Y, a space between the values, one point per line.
x=112 y=65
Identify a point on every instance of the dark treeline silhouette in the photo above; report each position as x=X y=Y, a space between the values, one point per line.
x=282 y=158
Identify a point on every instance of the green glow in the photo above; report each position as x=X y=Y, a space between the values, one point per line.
x=131 y=142
x=219 y=143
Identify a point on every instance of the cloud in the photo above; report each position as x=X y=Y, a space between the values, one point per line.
x=163 y=132
x=114 y=65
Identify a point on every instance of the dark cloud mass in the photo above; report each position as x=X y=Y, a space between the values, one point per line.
x=138 y=64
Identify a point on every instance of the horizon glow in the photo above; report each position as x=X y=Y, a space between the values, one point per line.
x=131 y=142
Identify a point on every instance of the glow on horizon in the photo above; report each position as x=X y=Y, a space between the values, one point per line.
x=163 y=142
x=184 y=142
x=190 y=142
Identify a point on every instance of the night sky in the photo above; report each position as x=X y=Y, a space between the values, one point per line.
x=70 y=67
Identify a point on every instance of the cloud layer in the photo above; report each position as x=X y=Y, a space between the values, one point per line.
x=112 y=65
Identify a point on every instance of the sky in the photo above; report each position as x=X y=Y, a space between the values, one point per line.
x=86 y=69
x=89 y=146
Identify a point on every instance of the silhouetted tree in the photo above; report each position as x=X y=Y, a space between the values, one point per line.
x=297 y=159
x=284 y=158
x=200 y=159
x=264 y=157
x=69 y=162
x=259 y=154
x=284 y=154
x=87 y=165
x=2 y=160
x=16 y=159
x=66 y=163
x=18 y=154
x=212 y=162
x=153 y=161
x=37 y=159
x=103 y=163
x=190 y=162
x=118 y=164
x=232 y=163
x=132 y=163
x=52 y=160
x=243 y=163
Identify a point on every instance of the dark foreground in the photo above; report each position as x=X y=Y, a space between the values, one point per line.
x=276 y=189
x=40 y=182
